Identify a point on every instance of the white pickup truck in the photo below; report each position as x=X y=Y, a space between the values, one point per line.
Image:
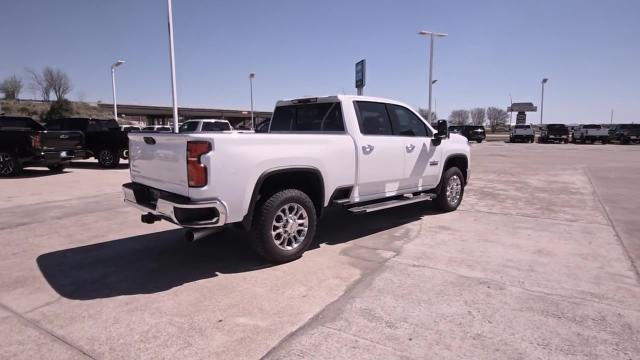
x=363 y=153
x=523 y=133
x=590 y=133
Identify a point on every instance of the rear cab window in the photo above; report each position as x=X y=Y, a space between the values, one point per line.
x=188 y=126
x=215 y=126
x=19 y=123
x=323 y=117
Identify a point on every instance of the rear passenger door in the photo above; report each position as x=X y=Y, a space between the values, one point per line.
x=381 y=158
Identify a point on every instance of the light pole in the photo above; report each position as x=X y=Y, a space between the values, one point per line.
x=172 y=59
x=113 y=86
x=544 y=81
x=431 y=35
x=251 y=77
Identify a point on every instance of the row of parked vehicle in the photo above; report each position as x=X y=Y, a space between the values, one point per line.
x=588 y=133
x=26 y=142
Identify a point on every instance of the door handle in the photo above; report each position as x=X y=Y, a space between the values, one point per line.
x=410 y=147
x=367 y=149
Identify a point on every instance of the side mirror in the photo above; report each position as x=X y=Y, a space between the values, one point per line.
x=443 y=129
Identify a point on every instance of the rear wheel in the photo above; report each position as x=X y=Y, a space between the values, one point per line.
x=9 y=165
x=108 y=158
x=479 y=141
x=284 y=227
x=451 y=190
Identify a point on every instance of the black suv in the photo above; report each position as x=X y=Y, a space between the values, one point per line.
x=625 y=133
x=24 y=142
x=471 y=132
x=554 y=133
x=103 y=139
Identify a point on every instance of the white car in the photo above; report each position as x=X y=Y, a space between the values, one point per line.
x=203 y=125
x=523 y=133
x=363 y=153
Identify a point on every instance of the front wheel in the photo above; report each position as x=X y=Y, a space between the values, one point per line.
x=108 y=158
x=284 y=226
x=59 y=167
x=451 y=190
x=9 y=165
x=479 y=141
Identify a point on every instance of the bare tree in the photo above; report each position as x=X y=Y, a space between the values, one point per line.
x=59 y=82
x=50 y=80
x=459 y=117
x=425 y=115
x=39 y=84
x=497 y=117
x=11 y=87
x=478 y=116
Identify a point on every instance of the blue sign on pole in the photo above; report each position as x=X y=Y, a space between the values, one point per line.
x=361 y=68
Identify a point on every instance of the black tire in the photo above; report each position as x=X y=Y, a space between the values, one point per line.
x=443 y=202
x=566 y=141
x=262 y=240
x=59 y=167
x=479 y=141
x=124 y=154
x=108 y=158
x=625 y=141
x=9 y=165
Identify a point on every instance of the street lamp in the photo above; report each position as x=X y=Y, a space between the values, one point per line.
x=251 y=77
x=172 y=59
x=431 y=35
x=113 y=86
x=544 y=81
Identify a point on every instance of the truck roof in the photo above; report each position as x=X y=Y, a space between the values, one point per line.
x=335 y=98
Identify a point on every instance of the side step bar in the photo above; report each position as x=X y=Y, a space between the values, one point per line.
x=391 y=203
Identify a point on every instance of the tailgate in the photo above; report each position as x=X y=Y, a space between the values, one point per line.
x=160 y=161
x=61 y=140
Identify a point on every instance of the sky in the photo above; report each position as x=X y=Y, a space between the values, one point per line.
x=589 y=50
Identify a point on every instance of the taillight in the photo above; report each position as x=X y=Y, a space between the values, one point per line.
x=196 y=171
x=35 y=142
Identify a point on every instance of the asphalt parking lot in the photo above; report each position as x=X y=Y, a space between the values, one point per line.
x=540 y=261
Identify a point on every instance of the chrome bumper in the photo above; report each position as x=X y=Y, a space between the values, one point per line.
x=168 y=208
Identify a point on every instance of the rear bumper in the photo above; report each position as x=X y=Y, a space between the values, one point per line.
x=175 y=208
x=49 y=158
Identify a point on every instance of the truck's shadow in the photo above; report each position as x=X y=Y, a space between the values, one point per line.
x=94 y=165
x=160 y=261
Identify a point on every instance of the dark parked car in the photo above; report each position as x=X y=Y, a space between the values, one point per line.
x=471 y=132
x=103 y=139
x=625 y=133
x=554 y=133
x=24 y=142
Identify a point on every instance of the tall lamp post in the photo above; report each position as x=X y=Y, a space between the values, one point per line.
x=431 y=35
x=251 y=77
x=113 y=87
x=544 y=81
x=172 y=59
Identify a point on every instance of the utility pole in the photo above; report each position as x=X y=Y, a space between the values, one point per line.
x=544 y=81
x=113 y=87
x=611 y=116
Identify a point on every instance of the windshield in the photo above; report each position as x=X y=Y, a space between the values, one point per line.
x=592 y=127
x=523 y=127
x=476 y=128
x=18 y=123
x=556 y=126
